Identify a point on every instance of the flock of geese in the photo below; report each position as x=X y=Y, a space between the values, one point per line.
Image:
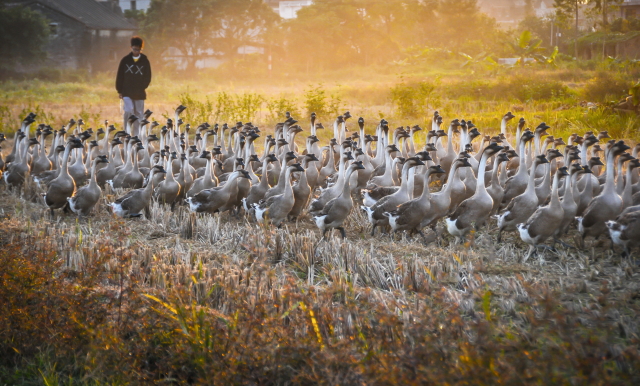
x=530 y=182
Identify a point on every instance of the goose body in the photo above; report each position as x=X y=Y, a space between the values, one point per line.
x=476 y=209
x=214 y=199
x=336 y=211
x=85 y=198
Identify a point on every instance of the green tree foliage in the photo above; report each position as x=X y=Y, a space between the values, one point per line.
x=333 y=33
x=197 y=27
x=23 y=34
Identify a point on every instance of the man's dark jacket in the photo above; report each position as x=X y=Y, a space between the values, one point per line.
x=133 y=77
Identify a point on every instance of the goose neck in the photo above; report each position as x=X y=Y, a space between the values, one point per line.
x=482 y=166
x=609 y=184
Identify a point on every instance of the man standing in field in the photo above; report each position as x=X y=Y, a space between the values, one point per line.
x=134 y=76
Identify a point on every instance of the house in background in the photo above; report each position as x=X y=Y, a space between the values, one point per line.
x=84 y=34
x=630 y=9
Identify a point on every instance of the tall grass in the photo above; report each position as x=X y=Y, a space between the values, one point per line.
x=186 y=298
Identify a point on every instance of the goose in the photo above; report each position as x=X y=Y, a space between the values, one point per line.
x=386 y=179
x=214 y=199
x=85 y=198
x=301 y=189
x=336 y=211
x=625 y=231
x=277 y=208
x=135 y=201
x=375 y=214
x=257 y=191
x=521 y=207
x=583 y=198
x=330 y=167
x=608 y=204
x=26 y=122
x=168 y=190
x=208 y=179
x=624 y=157
x=313 y=174
x=134 y=178
x=108 y=172
x=627 y=193
x=373 y=193
x=458 y=190
x=42 y=163
x=409 y=215
x=382 y=131
x=440 y=202
x=544 y=189
x=517 y=184
x=477 y=208
x=503 y=126
x=334 y=190
x=515 y=163
x=279 y=188
x=18 y=170
x=546 y=221
x=185 y=178
x=116 y=182
x=569 y=205
x=495 y=190
x=62 y=186
x=44 y=178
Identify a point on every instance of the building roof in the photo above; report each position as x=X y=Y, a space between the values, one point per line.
x=88 y=12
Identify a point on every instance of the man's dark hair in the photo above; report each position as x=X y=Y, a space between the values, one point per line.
x=137 y=41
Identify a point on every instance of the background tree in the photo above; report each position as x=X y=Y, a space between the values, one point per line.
x=23 y=34
x=187 y=25
x=241 y=23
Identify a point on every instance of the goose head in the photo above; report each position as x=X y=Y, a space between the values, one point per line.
x=93 y=144
x=100 y=132
x=313 y=119
x=147 y=114
x=346 y=115
x=562 y=172
x=356 y=165
x=463 y=162
x=239 y=162
x=180 y=109
x=244 y=174
x=216 y=151
x=634 y=164
x=319 y=126
x=575 y=168
x=254 y=158
x=624 y=157
x=574 y=156
x=392 y=149
x=313 y=139
x=553 y=153
x=521 y=123
x=441 y=133
x=430 y=147
x=473 y=134
x=619 y=147
x=361 y=123
x=439 y=121
x=311 y=158
x=205 y=154
x=604 y=134
x=424 y=156
x=508 y=116
x=296 y=168
x=347 y=156
x=492 y=149
x=101 y=159
x=542 y=128
x=415 y=129
x=437 y=169
x=541 y=159
x=271 y=158
x=511 y=153
x=413 y=162
x=590 y=140
x=503 y=157
x=132 y=118
x=527 y=136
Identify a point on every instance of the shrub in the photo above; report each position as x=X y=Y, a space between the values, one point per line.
x=415 y=98
x=316 y=100
x=605 y=87
x=278 y=106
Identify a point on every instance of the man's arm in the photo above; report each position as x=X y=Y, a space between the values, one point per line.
x=147 y=75
x=120 y=78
